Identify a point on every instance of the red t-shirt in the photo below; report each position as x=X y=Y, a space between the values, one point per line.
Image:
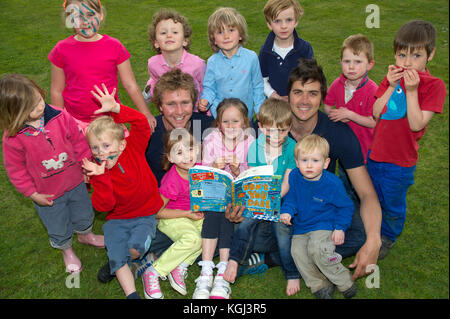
x=394 y=141
x=129 y=189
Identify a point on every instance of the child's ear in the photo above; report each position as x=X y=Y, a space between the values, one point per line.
x=431 y=56
x=326 y=163
x=371 y=64
x=122 y=145
x=169 y=158
x=269 y=26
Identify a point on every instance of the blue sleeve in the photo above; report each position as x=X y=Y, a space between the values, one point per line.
x=257 y=85
x=344 y=206
x=210 y=86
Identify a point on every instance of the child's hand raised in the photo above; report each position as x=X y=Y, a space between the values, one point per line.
x=107 y=100
x=93 y=168
x=394 y=75
x=412 y=80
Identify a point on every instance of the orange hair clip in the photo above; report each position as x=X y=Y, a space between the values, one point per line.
x=65 y=2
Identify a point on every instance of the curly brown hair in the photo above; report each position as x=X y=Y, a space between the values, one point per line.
x=167 y=14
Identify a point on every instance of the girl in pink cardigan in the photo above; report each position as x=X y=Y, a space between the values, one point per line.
x=226 y=148
x=42 y=152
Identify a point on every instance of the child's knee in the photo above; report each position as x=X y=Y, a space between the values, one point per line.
x=134 y=253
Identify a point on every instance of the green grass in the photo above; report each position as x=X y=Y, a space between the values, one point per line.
x=418 y=266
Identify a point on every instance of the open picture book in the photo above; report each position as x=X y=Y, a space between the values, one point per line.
x=257 y=188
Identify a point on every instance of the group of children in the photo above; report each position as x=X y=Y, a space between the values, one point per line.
x=50 y=152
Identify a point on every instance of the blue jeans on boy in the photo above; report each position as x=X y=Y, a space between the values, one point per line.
x=246 y=235
x=391 y=183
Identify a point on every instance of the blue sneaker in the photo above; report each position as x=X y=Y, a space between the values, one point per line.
x=255 y=266
x=139 y=265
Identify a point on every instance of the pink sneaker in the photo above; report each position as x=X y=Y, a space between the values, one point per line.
x=152 y=290
x=73 y=264
x=176 y=279
x=91 y=239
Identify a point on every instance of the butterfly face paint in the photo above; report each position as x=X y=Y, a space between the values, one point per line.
x=85 y=21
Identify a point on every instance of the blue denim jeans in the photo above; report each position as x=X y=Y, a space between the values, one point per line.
x=123 y=234
x=243 y=240
x=256 y=235
x=283 y=234
x=391 y=183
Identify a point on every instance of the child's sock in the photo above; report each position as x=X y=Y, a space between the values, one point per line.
x=207 y=267
x=134 y=295
x=184 y=265
x=221 y=267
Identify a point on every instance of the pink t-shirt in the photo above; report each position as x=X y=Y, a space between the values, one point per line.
x=176 y=189
x=189 y=63
x=86 y=64
x=361 y=103
x=214 y=148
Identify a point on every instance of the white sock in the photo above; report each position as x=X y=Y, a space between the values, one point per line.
x=153 y=270
x=207 y=267
x=221 y=267
x=184 y=265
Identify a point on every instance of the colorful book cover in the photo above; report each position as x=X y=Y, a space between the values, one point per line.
x=257 y=188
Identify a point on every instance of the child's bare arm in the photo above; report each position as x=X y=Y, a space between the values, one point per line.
x=285 y=183
x=344 y=115
x=393 y=76
x=417 y=118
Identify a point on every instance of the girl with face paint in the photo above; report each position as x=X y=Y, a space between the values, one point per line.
x=88 y=58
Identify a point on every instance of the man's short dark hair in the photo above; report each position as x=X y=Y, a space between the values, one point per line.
x=308 y=70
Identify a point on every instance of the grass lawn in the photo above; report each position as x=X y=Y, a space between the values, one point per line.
x=417 y=267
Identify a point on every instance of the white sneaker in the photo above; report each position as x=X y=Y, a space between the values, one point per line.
x=221 y=288
x=204 y=285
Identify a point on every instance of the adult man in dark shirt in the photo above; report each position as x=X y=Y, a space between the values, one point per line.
x=306 y=90
x=174 y=95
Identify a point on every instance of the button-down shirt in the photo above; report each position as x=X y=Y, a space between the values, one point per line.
x=238 y=77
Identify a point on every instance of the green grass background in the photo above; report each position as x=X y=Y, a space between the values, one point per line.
x=416 y=268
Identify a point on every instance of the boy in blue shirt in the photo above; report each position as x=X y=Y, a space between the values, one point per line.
x=318 y=207
x=233 y=71
x=283 y=47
